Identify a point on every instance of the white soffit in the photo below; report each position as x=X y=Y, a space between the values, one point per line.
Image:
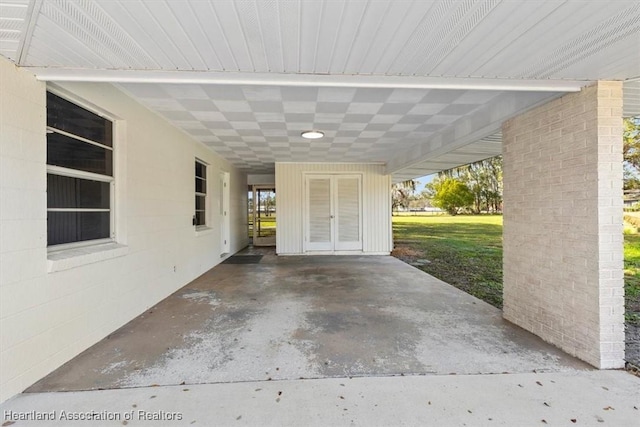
x=14 y=21
x=485 y=148
x=578 y=40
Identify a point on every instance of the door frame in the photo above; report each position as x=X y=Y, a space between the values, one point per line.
x=332 y=247
x=262 y=241
x=224 y=203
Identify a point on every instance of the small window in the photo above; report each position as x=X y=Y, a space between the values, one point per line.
x=79 y=174
x=200 y=217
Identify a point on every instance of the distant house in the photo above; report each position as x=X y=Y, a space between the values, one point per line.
x=631 y=197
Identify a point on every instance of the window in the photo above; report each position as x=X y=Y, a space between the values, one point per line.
x=200 y=218
x=79 y=174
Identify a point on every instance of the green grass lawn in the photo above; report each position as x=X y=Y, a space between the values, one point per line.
x=268 y=226
x=632 y=277
x=466 y=252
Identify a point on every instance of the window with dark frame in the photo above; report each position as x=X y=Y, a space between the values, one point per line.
x=79 y=174
x=200 y=217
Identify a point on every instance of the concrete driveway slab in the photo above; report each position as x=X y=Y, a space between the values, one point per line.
x=309 y=317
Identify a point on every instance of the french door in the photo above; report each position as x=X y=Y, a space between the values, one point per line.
x=333 y=213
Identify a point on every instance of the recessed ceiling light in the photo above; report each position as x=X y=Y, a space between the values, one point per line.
x=312 y=134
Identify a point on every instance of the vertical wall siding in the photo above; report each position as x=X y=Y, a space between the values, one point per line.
x=376 y=204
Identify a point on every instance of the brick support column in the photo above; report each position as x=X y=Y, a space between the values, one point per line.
x=563 y=265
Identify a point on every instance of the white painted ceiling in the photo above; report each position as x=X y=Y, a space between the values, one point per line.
x=253 y=126
x=457 y=38
x=419 y=85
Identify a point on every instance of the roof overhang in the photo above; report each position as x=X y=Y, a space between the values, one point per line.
x=420 y=86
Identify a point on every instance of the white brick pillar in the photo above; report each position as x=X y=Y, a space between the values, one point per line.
x=563 y=256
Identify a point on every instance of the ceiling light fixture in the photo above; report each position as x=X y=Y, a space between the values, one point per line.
x=312 y=134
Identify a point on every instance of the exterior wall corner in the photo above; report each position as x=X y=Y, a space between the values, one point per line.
x=563 y=223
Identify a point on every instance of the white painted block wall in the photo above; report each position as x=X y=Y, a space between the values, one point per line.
x=48 y=318
x=563 y=257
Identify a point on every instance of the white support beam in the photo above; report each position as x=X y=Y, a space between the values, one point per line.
x=469 y=129
x=25 y=41
x=316 y=80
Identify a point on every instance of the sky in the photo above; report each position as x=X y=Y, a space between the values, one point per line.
x=423 y=181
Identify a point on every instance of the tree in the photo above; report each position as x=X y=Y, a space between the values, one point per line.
x=450 y=194
x=484 y=180
x=419 y=201
x=631 y=153
x=401 y=194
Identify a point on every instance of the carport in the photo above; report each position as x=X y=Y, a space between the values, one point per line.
x=129 y=131
x=260 y=317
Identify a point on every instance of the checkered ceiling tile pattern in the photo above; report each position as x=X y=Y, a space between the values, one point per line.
x=255 y=126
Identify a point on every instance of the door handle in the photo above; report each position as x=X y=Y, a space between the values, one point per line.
x=331 y=217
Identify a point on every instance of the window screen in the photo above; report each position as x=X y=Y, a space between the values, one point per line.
x=79 y=173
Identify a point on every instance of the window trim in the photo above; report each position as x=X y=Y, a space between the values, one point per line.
x=51 y=250
x=207 y=210
x=78 y=137
x=75 y=173
x=77 y=256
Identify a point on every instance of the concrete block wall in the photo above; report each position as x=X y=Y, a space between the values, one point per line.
x=48 y=316
x=563 y=265
x=23 y=223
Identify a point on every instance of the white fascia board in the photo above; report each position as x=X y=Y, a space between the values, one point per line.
x=316 y=80
x=469 y=129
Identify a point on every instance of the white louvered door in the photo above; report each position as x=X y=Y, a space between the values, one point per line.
x=348 y=231
x=319 y=229
x=333 y=213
